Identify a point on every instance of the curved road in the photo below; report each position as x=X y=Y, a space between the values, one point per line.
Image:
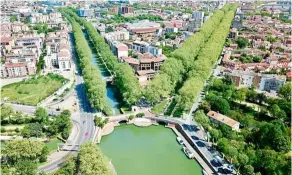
x=83 y=117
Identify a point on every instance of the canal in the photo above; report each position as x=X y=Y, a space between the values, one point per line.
x=111 y=90
x=147 y=151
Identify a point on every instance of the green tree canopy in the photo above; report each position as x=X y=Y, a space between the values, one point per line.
x=92 y=161
x=285 y=91
x=24 y=148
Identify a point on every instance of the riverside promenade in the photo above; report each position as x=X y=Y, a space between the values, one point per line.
x=196 y=155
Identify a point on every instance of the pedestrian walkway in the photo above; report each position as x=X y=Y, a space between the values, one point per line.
x=197 y=156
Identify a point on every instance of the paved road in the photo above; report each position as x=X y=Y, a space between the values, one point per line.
x=84 y=117
x=31 y=109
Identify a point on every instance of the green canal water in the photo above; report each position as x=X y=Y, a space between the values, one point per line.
x=147 y=151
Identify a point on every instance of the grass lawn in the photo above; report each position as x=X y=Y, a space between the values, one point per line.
x=158 y=109
x=178 y=112
x=53 y=144
x=32 y=91
x=12 y=127
x=170 y=108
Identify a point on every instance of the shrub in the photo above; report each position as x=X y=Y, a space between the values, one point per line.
x=139 y=115
x=3 y=129
x=131 y=117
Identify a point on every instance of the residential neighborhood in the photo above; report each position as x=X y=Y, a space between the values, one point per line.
x=158 y=87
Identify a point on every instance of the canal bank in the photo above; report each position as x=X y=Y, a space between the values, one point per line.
x=147 y=150
x=113 y=99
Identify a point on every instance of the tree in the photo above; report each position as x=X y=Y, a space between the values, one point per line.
x=242 y=158
x=44 y=154
x=6 y=111
x=32 y=130
x=215 y=134
x=41 y=115
x=92 y=161
x=241 y=94
x=218 y=104
x=13 y=18
x=242 y=42
x=109 y=29
x=25 y=167
x=285 y=91
x=248 y=170
x=205 y=106
x=251 y=95
x=274 y=110
x=201 y=118
x=68 y=167
x=227 y=80
x=24 y=148
x=269 y=161
x=261 y=97
x=281 y=143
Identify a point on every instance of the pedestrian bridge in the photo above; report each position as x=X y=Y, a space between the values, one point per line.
x=108 y=79
x=68 y=147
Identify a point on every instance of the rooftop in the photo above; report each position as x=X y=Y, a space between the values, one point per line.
x=222 y=118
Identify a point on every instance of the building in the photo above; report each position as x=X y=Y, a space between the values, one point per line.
x=19 y=27
x=6 y=44
x=145 y=66
x=143 y=27
x=174 y=23
x=171 y=29
x=117 y=36
x=154 y=50
x=29 y=41
x=222 y=119
x=58 y=58
x=198 y=16
x=119 y=49
x=85 y=12
x=140 y=46
x=233 y=34
x=114 y=10
x=264 y=82
x=18 y=65
x=126 y=10
x=54 y=17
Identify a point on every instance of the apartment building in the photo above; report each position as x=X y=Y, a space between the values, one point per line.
x=118 y=48
x=198 y=16
x=17 y=65
x=264 y=82
x=54 y=17
x=144 y=47
x=140 y=46
x=117 y=36
x=126 y=10
x=58 y=56
x=37 y=41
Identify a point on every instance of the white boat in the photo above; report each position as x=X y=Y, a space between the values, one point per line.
x=179 y=140
x=204 y=172
x=188 y=153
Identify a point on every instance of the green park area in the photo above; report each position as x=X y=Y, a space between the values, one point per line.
x=33 y=90
x=159 y=108
x=53 y=144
